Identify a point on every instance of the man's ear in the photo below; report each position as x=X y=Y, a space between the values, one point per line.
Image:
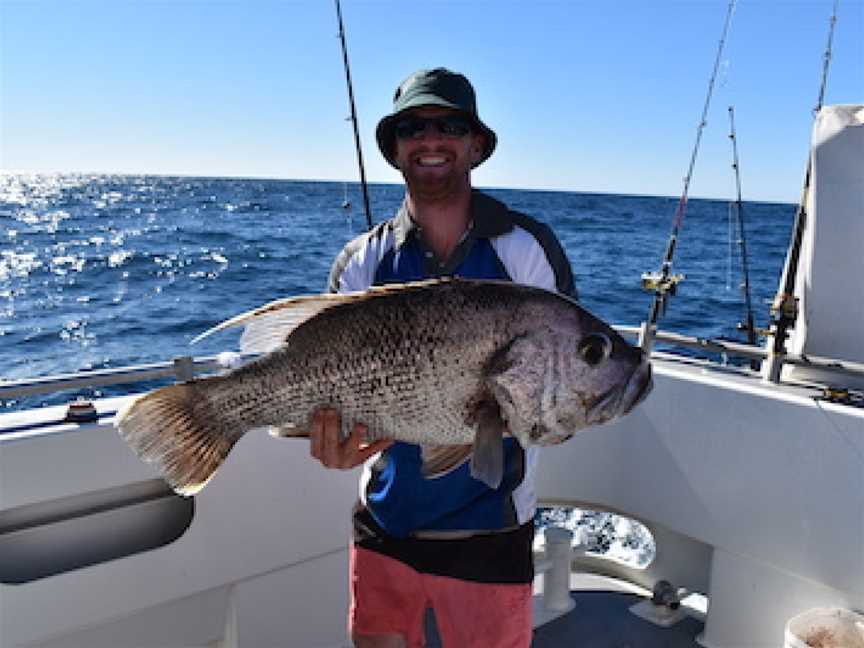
x=478 y=147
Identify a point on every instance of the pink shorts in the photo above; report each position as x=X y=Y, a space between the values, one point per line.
x=388 y=597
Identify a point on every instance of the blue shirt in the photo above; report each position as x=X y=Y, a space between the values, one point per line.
x=499 y=244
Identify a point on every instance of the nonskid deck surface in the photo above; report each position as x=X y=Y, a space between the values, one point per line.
x=602 y=619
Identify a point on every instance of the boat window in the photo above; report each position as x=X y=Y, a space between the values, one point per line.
x=600 y=533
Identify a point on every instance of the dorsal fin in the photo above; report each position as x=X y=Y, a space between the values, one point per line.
x=268 y=326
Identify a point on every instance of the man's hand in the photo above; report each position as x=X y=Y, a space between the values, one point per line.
x=324 y=430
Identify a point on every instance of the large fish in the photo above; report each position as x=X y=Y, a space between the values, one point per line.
x=451 y=364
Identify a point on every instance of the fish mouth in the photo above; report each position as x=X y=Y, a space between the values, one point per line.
x=638 y=387
x=620 y=400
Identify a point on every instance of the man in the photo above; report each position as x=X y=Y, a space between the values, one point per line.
x=445 y=541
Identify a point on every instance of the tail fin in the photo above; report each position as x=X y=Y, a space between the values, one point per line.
x=172 y=429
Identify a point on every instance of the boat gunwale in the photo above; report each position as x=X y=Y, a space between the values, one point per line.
x=187 y=367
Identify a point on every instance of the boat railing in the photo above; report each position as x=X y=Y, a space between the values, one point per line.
x=181 y=369
x=186 y=368
x=749 y=352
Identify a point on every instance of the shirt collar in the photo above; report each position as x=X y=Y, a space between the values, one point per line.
x=489 y=218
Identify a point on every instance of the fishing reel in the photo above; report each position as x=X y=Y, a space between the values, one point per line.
x=663 y=285
x=785 y=307
x=657 y=282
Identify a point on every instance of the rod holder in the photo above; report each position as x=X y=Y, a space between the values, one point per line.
x=556 y=580
x=184 y=368
x=647 y=332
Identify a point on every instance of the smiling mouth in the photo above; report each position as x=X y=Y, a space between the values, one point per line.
x=431 y=160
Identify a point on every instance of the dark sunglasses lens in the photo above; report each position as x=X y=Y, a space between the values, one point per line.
x=451 y=126
x=454 y=126
x=409 y=127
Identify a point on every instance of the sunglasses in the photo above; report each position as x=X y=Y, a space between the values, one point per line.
x=448 y=125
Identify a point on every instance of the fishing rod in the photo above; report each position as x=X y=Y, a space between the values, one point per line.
x=663 y=283
x=748 y=325
x=742 y=240
x=784 y=309
x=353 y=118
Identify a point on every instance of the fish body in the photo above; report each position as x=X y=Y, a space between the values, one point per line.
x=450 y=362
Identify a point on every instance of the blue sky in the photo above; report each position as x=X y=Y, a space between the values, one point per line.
x=585 y=96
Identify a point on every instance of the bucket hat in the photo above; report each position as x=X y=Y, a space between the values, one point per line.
x=438 y=87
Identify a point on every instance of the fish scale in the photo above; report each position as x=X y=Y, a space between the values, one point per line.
x=414 y=362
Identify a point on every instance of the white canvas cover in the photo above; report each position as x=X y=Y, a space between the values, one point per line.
x=830 y=278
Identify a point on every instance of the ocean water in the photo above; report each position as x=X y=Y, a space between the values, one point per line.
x=106 y=271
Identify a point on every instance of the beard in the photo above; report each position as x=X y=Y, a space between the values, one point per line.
x=428 y=187
x=431 y=189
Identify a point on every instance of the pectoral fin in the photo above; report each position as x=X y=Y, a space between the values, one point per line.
x=288 y=431
x=487 y=461
x=516 y=377
x=440 y=460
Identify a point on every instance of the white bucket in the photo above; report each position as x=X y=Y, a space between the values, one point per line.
x=825 y=628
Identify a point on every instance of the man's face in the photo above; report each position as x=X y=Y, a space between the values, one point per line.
x=436 y=164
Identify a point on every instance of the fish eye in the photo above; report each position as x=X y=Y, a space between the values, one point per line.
x=595 y=348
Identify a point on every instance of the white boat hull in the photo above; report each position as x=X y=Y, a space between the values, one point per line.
x=767 y=477
x=771 y=479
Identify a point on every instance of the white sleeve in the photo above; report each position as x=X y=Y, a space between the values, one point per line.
x=354 y=269
x=524 y=259
x=355 y=276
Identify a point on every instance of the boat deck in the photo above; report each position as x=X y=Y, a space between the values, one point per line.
x=601 y=618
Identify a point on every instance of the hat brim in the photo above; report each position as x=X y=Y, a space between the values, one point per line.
x=386 y=137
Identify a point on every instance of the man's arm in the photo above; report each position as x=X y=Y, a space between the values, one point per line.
x=532 y=255
x=354 y=268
